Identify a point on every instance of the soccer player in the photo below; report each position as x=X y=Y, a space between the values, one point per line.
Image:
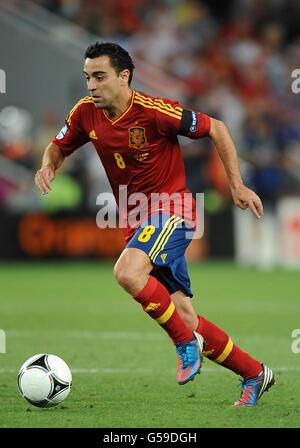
x=135 y=136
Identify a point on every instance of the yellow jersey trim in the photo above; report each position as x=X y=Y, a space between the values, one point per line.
x=149 y=106
x=86 y=99
x=161 y=103
x=124 y=113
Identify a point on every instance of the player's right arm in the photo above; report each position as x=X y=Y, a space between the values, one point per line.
x=71 y=137
x=52 y=160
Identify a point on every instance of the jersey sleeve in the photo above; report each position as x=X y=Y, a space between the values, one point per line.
x=194 y=124
x=72 y=136
x=173 y=119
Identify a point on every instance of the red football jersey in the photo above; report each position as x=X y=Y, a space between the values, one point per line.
x=140 y=149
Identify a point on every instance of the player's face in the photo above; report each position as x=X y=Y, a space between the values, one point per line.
x=103 y=82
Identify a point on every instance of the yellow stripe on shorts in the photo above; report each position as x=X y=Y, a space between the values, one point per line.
x=166 y=237
x=164 y=229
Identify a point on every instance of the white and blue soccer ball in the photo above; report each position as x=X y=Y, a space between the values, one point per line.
x=45 y=380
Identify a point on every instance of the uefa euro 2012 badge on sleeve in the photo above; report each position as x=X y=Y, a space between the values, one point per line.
x=62 y=132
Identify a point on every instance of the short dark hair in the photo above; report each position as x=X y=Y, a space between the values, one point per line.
x=120 y=59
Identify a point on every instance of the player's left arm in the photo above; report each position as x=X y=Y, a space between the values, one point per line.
x=242 y=196
x=177 y=120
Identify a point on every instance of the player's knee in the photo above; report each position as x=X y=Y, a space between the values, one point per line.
x=126 y=278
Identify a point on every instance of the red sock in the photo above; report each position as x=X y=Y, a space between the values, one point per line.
x=156 y=301
x=220 y=348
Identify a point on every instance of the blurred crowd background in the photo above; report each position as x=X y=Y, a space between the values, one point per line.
x=232 y=60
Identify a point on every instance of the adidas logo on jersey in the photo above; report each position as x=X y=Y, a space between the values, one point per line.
x=93 y=135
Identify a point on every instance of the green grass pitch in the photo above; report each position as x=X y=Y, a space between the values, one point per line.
x=124 y=365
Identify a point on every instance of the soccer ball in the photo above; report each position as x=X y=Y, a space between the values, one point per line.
x=44 y=380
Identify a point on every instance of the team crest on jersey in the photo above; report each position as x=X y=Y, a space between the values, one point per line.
x=137 y=137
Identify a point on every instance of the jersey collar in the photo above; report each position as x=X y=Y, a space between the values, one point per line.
x=123 y=114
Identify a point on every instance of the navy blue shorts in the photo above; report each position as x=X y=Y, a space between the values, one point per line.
x=163 y=238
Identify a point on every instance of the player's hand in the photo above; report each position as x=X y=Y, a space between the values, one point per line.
x=245 y=198
x=43 y=179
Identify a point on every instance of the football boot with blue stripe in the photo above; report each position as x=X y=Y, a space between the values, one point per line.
x=253 y=388
x=189 y=356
